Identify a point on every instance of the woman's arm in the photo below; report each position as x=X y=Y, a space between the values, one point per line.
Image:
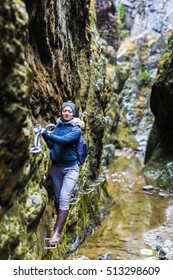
x=70 y=137
x=48 y=142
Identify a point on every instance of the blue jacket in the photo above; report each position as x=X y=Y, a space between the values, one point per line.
x=62 y=143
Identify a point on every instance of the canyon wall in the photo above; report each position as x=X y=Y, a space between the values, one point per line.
x=51 y=52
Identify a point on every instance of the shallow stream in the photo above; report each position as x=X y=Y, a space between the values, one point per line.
x=135 y=212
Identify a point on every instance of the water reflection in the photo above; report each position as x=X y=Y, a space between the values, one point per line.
x=133 y=214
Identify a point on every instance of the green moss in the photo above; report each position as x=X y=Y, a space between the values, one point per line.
x=156 y=164
x=124 y=135
x=121 y=11
x=92 y=18
x=166 y=56
x=165 y=178
x=144 y=77
x=20 y=2
x=124 y=34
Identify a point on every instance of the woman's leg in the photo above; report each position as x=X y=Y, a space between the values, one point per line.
x=71 y=175
x=69 y=181
x=57 y=180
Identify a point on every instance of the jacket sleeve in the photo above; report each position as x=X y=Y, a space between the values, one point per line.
x=70 y=137
x=48 y=142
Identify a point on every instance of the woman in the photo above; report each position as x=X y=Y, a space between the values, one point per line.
x=65 y=170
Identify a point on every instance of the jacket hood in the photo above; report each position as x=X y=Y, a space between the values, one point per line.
x=73 y=121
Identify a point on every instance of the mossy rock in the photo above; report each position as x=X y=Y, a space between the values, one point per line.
x=155 y=166
x=165 y=178
x=124 y=134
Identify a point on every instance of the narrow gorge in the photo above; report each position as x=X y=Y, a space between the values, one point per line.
x=113 y=59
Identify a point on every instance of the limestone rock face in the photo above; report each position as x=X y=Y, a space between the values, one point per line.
x=14 y=105
x=159 y=153
x=54 y=51
x=139 y=54
x=107 y=22
x=51 y=52
x=152 y=15
x=147 y=91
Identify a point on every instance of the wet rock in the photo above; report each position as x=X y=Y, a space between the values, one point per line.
x=159 y=151
x=165 y=179
x=155 y=191
x=146 y=252
x=77 y=242
x=166 y=252
x=158 y=247
x=165 y=195
x=106 y=256
x=108 y=154
x=149 y=188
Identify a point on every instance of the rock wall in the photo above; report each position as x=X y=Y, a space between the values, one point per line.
x=147 y=25
x=107 y=24
x=147 y=91
x=57 y=51
x=54 y=53
x=159 y=155
x=152 y=15
x=14 y=81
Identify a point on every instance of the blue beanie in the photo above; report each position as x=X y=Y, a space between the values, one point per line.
x=69 y=104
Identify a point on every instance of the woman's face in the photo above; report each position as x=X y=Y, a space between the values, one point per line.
x=67 y=114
